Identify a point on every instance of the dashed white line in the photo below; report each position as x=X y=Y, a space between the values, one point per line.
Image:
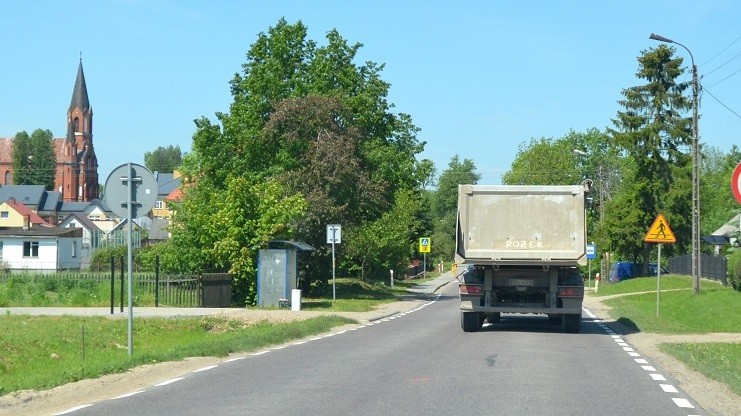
x=123 y=396
x=641 y=361
x=668 y=388
x=657 y=377
x=74 y=409
x=683 y=403
x=170 y=381
x=648 y=368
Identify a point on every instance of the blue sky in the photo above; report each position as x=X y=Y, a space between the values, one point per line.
x=478 y=77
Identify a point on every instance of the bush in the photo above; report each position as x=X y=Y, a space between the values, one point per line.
x=734 y=270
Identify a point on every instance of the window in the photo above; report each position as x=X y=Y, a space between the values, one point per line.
x=4 y=214
x=74 y=249
x=159 y=204
x=30 y=249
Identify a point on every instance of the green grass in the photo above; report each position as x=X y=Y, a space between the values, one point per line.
x=353 y=295
x=715 y=309
x=645 y=284
x=40 y=352
x=718 y=361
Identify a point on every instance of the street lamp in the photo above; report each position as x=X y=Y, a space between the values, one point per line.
x=695 y=169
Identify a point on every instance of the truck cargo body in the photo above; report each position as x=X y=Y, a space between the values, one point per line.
x=519 y=248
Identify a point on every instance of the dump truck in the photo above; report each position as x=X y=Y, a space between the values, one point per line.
x=518 y=250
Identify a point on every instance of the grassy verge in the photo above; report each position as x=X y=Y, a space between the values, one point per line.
x=40 y=352
x=715 y=309
x=718 y=361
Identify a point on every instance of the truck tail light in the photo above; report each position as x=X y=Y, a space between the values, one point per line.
x=470 y=289
x=570 y=292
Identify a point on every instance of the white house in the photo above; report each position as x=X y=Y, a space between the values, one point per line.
x=44 y=249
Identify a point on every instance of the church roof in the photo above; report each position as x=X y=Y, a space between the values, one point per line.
x=79 y=94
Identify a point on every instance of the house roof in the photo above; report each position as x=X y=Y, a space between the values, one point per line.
x=41 y=232
x=6 y=150
x=166 y=183
x=175 y=196
x=33 y=218
x=731 y=226
x=29 y=195
x=82 y=219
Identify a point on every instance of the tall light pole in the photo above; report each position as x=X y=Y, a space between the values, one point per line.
x=695 y=169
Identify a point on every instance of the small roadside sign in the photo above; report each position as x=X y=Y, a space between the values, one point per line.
x=591 y=251
x=424 y=244
x=736 y=183
x=660 y=232
x=334 y=234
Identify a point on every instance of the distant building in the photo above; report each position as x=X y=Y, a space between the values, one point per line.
x=76 y=175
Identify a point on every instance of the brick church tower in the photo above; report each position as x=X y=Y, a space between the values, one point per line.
x=77 y=166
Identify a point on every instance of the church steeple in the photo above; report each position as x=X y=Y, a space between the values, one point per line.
x=79 y=94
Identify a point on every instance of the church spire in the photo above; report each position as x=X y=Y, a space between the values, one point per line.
x=79 y=94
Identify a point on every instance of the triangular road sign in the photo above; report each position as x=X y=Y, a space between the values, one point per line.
x=660 y=232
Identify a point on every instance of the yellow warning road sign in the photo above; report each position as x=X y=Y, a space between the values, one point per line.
x=660 y=232
x=424 y=244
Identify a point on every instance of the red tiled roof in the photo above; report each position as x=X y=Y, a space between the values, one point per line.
x=33 y=218
x=176 y=195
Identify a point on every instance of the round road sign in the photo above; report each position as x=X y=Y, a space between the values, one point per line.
x=736 y=183
x=143 y=193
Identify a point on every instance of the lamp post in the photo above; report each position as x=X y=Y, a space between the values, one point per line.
x=695 y=169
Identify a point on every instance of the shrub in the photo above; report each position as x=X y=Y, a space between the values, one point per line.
x=734 y=270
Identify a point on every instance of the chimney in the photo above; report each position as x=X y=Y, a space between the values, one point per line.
x=26 y=221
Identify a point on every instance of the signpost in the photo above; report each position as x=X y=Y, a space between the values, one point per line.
x=130 y=192
x=334 y=236
x=425 y=244
x=591 y=254
x=659 y=233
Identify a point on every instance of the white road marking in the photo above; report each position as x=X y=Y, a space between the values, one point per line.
x=657 y=377
x=205 y=368
x=74 y=409
x=234 y=359
x=668 y=388
x=170 y=381
x=648 y=368
x=123 y=396
x=683 y=403
x=641 y=361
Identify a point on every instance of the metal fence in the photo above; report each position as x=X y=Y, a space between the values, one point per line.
x=711 y=267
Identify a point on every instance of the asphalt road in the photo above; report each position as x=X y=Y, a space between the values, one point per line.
x=421 y=363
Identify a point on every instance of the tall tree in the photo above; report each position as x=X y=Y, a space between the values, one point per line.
x=651 y=130
x=163 y=159
x=34 y=161
x=445 y=204
x=348 y=156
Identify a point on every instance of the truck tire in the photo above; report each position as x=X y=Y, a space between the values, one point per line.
x=572 y=323
x=554 y=319
x=493 y=318
x=471 y=321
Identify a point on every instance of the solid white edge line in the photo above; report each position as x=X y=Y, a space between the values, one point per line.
x=683 y=403
x=260 y=353
x=205 y=368
x=234 y=359
x=74 y=409
x=123 y=396
x=170 y=381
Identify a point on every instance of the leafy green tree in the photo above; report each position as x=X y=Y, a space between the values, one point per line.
x=34 y=162
x=445 y=205
x=348 y=157
x=650 y=131
x=163 y=159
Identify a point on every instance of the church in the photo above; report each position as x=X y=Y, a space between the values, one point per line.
x=76 y=174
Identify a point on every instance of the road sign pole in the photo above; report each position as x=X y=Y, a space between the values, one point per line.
x=658 y=281
x=334 y=287
x=130 y=185
x=424 y=266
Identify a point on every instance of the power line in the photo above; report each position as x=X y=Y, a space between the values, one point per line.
x=720 y=102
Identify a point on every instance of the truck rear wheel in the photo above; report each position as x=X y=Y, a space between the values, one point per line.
x=471 y=321
x=493 y=318
x=572 y=323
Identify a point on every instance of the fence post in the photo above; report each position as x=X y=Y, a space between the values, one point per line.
x=113 y=284
x=157 y=281
x=122 y=283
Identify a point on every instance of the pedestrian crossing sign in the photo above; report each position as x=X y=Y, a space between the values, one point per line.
x=660 y=232
x=424 y=244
